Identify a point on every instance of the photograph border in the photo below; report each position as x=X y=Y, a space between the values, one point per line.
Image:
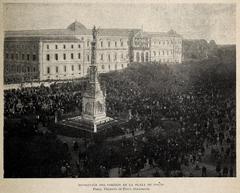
x=163 y=185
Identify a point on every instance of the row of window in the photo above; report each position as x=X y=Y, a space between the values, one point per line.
x=64 y=69
x=109 y=67
x=29 y=69
x=141 y=57
x=64 y=56
x=20 y=69
x=110 y=44
x=79 y=68
x=167 y=42
x=113 y=57
x=22 y=46
x=101 y=44
x=165 y=52
x=63 y=46
x=17 y=56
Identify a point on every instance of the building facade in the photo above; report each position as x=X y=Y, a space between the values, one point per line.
x=39 y=55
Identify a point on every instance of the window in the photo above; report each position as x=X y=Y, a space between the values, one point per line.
x=48 y=70
x=122 y=55
x=122 y=43
x=56 y=46
x=109 y=67
x=122 y=65
x=101 y=43
x=7 y=55
x=72 y=46
x=88 y=58
x=56 y=69
x=154 y=53
x=48 y=57
x=28 y=69
x=102 y=57
x=88 y=43
x=72 y=68
x=115 y=56
x=103 y=67
x=79 y=55
x=34 y=57
x=79 y=67
x=146 y=56
x=115 y=44
x=64 y=56
x=34 y=69
x=12 y=56
x=64 y=46
x=23 y=56
x=47 y=46
x=109 y=57
x=142 y=57
x=72 y=56
x=79 y=46
x=56 y=56
x=28 y=57
x=137 y=56
x=65 y=68
x=109 y=44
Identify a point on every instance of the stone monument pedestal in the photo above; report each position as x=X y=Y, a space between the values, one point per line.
x=88 y=125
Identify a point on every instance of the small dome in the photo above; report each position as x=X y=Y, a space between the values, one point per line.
x=76 y=26
x=172 y=32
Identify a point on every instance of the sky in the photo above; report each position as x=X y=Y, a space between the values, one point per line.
x=193 y=21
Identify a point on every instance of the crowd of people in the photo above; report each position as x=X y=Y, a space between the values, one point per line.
x=205 y=107
x=202 y=104
x=43 y=101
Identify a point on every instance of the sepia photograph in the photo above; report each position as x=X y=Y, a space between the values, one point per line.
x=119 y=90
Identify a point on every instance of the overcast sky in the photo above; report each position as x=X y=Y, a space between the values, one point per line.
x=192 y=21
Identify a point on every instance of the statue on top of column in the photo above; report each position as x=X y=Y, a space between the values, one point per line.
x=94 y=32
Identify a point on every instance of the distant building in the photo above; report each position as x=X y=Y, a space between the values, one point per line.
x=166 y=47
x=59 y=54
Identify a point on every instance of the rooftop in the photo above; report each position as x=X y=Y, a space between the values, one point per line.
x=43 y=38
x=77 y=28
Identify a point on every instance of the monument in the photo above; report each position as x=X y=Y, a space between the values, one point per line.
x=93 y=103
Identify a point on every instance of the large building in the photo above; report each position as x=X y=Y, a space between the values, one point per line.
x=60 y=54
